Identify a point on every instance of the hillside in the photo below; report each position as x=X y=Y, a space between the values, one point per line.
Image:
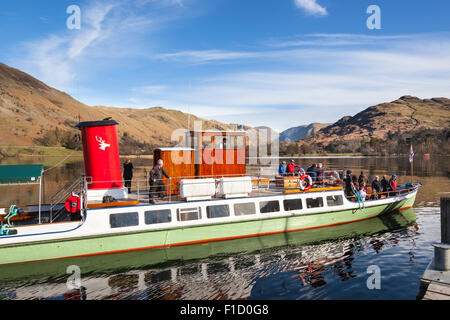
x=394 y=124
x=32 y=112
x=301 y=132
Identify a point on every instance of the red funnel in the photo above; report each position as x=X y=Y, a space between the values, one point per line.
x=101 y=154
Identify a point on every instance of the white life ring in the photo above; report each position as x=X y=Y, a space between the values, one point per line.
x=301 y=181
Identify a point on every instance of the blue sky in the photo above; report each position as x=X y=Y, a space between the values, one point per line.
x=279 y=63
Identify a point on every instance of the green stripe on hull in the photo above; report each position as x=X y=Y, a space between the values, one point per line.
x=168 y=237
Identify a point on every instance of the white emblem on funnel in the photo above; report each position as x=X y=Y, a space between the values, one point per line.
x=103 y=145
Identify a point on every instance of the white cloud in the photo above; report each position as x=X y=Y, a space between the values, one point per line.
x=93 y=30
x=109 y=29
x=311 y=7
x=318 y=83
x=202 y=56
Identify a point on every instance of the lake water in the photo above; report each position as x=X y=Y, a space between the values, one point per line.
x=327 y=263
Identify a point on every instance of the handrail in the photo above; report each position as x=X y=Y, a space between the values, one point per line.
x=169 y=190
x=399 y=191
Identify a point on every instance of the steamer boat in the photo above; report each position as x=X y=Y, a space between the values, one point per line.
x=208 y=198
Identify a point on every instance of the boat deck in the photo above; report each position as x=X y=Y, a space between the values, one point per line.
x=143 y=196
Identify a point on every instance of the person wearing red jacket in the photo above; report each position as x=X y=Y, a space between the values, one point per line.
x=393 y=183
x=290 y=169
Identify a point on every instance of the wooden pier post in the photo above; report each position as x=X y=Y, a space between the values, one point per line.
x=442 y=250
x=435 y=281
x=445 y=220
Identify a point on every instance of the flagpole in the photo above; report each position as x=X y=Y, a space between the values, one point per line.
x=411 y=160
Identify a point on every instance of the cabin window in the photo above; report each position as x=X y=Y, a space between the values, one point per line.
x=235 y=142
x=158 y=216
x=220 y=142
x=269 y=206
x=241 y=209
x=187 y=214
x=218 y=211
x=292 y=204
x=206 y=142
x=314 y=202
x=334 y=201
x=240 y=142
x=119 y=220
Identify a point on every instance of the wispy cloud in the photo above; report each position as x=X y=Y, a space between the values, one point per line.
x=109 y=29
x=311 y=7
x=202 y=56
x=321 y=82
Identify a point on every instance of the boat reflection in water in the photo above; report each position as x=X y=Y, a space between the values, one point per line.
x=218 y=270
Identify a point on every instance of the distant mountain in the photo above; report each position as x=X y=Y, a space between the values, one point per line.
x=388 y=128
x=32 y=113
x=406 y=114
x=301 y=132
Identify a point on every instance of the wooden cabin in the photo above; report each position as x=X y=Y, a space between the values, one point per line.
x=177 y=163
x=207 y=153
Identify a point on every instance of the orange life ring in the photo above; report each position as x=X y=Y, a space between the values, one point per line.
x=73 y=204
x=333 y=179
x=308 y=179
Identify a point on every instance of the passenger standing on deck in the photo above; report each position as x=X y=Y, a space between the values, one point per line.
x=384 y=185
x=355 y=183
x=348 y=184
x=290 y=169
x=312 y=172
x=128 y=173
x=319 y=171
x=362 y=191
x=157 y=186
x=362 y=178
x=282 y=168
x=393 y=184
x=376 y=188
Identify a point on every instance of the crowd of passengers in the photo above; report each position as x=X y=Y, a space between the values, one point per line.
x=380 y=188
x=352 y=184
x=315 y=171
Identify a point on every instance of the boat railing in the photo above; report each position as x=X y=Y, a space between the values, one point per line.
x=385 y=194
x=169 y=188
x=142 y=190
x=56 y=210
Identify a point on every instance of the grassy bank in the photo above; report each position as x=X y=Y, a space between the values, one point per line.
x=29 y=151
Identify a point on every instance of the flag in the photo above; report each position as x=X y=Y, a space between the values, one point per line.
x=411 y=155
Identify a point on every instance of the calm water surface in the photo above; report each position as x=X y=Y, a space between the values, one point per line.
x=327 y=263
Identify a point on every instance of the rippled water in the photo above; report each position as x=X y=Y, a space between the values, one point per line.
x=327 y=263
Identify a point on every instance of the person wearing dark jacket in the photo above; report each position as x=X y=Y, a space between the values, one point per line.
x=128 y=173
x=355 y=183
x=157 y=186
x=362 y=178
x=312 y=172
x=348 y=184
x=376 y=188
x=384 y=184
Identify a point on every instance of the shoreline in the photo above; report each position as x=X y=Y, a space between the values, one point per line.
x=7 y=152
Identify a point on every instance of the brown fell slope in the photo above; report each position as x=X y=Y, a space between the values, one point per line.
x=407 y=114
x=29 y=108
